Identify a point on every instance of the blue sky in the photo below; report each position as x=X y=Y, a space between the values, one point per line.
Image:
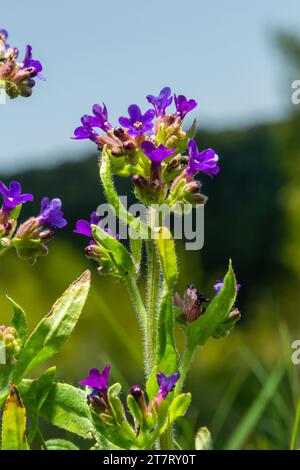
x=218 y=52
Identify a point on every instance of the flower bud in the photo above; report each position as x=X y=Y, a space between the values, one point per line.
x=12 y=343
x=29 y=229
x=139 y=396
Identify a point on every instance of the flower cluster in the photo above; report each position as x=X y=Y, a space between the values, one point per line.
x=18 y=78
x=97 y=382
x=29 y=238
x=150 y=146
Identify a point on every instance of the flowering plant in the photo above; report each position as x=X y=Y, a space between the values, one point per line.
x=17 y=78
x=150 y=148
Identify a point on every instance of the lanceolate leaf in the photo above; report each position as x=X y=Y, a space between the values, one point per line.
x=166 y=249
x=166 y=360
x=54 y=330
x=34 y=393
x=67 y=408
x=206 y=325
x=19 y=321
x=14 y=423
x=179 y=406
x=118 y=253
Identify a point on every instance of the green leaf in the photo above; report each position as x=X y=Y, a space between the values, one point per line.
x=218 y=310
x=166 y=361
x=136 y=244
x=14 y=423
x=19 y=321
x=134 y=409
x=35 y=395
x=54 y=330
x=179 y=406
x=67 y=408
x=203 y=439
x=255 y=410
x=167 y=254
x=118 y=253
x=15 y=213
x=60 y=444
x=115 y=403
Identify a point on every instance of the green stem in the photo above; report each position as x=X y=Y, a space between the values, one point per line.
x=153 y=289
x=184 y=366
x=166 y=440
x=137 y=300
x=140 y=311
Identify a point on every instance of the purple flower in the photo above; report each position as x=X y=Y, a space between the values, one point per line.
x=12 y=196
x=85 y=131
x=162 y=101
x=83 y=227
x=184 y=106
x=29 y=62
x=205 y=161
x=156 y=154
x=51 y=214
x=97 y=381
x=219 y=285
x=137 y=123
x=99 y=119
x=166 y=384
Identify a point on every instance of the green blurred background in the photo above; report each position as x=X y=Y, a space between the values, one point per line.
x=244 y=387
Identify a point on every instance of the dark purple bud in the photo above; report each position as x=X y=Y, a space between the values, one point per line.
x=139 y=396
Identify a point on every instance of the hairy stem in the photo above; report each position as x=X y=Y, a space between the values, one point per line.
x=184 y=366
x=153 y=289
x=166 y=440
x=140 y=311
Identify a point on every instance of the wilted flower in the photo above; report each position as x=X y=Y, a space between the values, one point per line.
x=137 y=123
x=191 y=305
x=162 y=101
x=205 y=161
